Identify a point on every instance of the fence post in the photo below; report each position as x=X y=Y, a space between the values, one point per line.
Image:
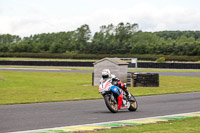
x=132 y=80
x=92 y=79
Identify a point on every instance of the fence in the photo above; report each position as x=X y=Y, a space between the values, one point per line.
x=90 y=64
x=49 y=63
x=166 y=65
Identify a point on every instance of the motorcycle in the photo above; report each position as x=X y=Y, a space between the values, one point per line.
x=111 y=100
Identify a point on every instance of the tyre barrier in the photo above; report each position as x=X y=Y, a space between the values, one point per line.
x=142 y=79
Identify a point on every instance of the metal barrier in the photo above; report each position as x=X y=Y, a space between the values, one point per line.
x=90 y=64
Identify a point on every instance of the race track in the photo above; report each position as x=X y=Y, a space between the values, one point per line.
x=48 y=115
x=186 y=74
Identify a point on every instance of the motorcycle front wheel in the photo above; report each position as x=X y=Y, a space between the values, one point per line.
x=133 y=104
x=111 y=104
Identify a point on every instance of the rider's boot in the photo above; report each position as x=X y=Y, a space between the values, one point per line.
x=128 y=94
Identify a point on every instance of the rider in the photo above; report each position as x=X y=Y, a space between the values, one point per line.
x=107 y=75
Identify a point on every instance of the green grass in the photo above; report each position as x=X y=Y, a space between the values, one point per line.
x=29 y=87
x=169 y=85
x=166 y=70
x=189 y=125
x=32 y=87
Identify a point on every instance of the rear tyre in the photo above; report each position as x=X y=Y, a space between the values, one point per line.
x=111 y=104
x=133 y=104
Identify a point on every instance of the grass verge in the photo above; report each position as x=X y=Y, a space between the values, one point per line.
x=167 y=70
x=33 y=87
x=189 y=125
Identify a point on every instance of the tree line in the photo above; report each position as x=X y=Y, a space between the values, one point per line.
x=124 y=38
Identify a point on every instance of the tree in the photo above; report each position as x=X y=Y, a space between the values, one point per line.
x=9 y=39
x=82 y=37
x=110 y=39
x=145 y=43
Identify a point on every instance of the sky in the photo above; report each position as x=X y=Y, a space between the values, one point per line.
x=29 y=17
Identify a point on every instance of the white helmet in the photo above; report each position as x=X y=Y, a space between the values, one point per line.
x=106 y=73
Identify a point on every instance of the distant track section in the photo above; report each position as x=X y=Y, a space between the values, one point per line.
x=186 y=74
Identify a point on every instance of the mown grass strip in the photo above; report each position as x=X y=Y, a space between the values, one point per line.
x=166 y=70
x=186 y=125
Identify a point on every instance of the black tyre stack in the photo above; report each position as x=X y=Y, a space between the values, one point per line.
x=146 y=80
x=143 y=80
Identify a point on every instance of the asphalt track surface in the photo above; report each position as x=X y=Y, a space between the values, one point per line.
x=58 y=114
x=187 y=74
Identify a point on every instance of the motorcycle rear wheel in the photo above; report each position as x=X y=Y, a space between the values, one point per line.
x=111 y=105
x=133 y=104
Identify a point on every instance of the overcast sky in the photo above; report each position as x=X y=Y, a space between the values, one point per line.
x=26 y=17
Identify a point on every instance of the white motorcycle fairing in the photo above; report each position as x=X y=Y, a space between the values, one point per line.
x=105 y=86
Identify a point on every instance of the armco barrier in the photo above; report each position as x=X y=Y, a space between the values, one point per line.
x=90 y=64
x=166 y=65
x=49 y=63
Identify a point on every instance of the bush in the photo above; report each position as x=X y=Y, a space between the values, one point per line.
x=74 y=55
x=161 y=60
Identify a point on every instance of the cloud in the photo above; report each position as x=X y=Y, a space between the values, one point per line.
x=149 y=17
x=169 y=18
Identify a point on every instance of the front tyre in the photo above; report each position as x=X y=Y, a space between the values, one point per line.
x=111 y=103
x=133 y=104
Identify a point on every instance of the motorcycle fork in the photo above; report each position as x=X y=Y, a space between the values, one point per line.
x=113 y=98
